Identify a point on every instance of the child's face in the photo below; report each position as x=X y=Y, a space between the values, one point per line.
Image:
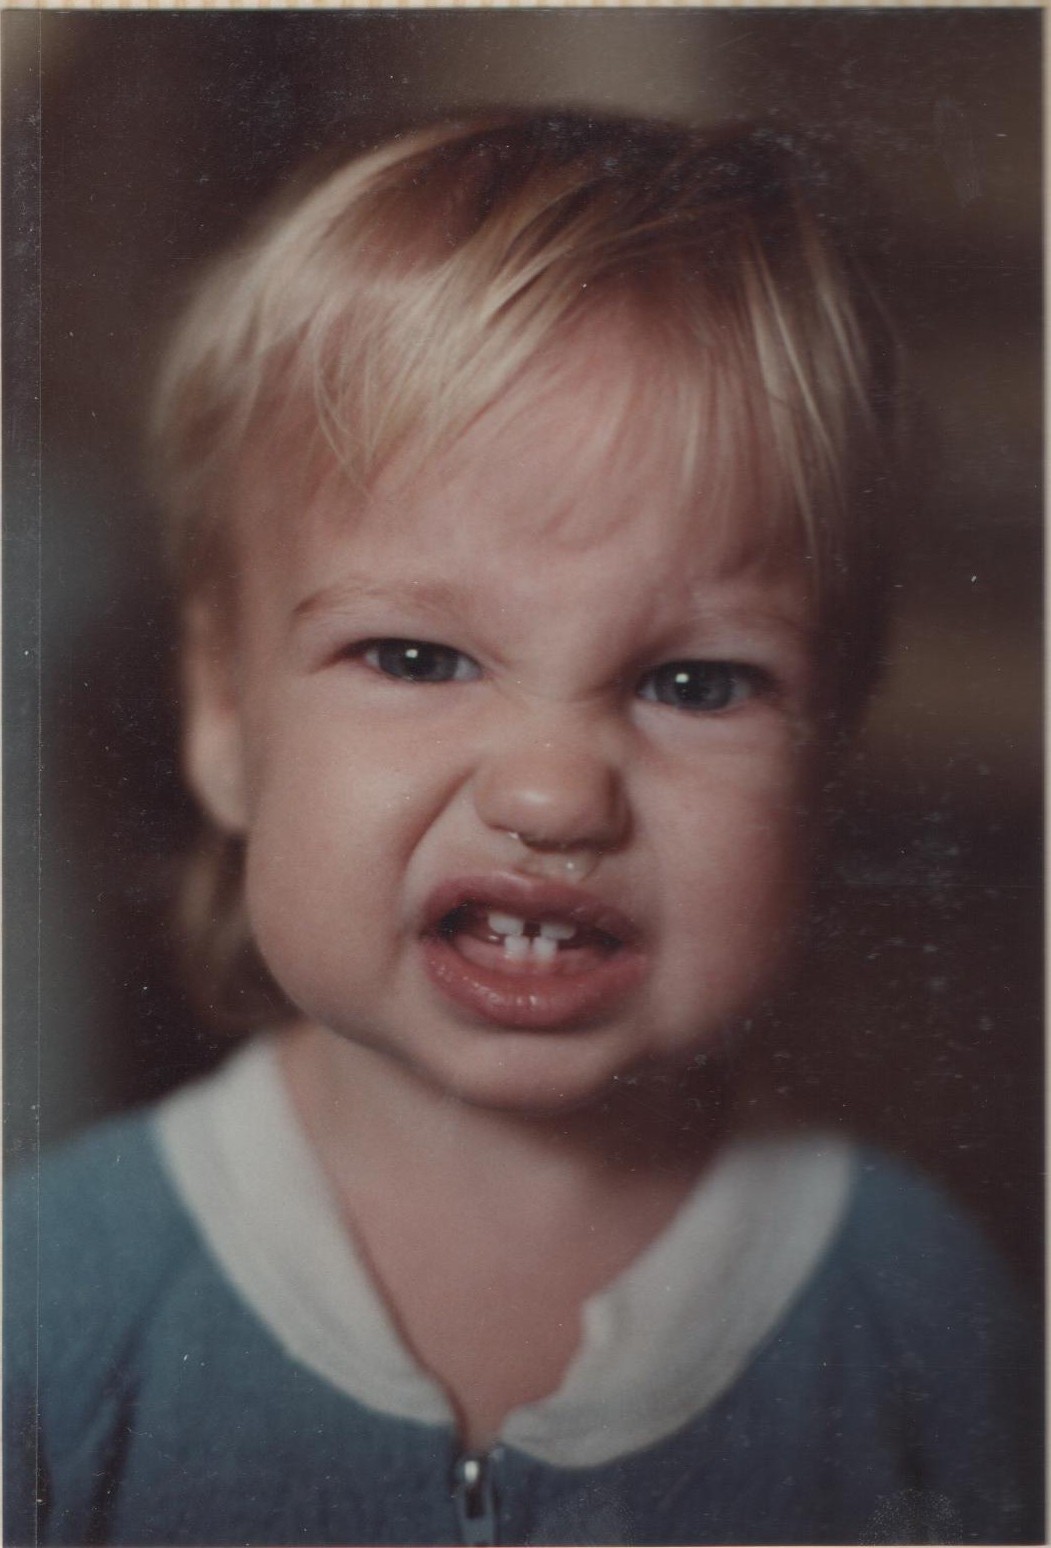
x=521 y=685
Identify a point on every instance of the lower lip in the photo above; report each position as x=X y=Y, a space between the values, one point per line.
x=538 y=1002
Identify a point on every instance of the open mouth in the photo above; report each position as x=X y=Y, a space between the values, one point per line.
x=526 y=954
x=512 y=943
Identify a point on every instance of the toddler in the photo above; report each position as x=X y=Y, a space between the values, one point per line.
x=528 y=483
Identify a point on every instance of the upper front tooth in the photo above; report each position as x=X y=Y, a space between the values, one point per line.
x=506 y=924
x=552 y=930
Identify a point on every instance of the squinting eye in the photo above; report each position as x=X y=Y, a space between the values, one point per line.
x=701 y=685
x=418 y=661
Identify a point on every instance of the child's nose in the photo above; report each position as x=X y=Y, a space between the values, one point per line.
x=554 y=796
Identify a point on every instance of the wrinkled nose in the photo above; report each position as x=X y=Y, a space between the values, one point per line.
x=554 y=797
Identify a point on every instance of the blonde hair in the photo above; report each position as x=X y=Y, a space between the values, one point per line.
x=383 y=309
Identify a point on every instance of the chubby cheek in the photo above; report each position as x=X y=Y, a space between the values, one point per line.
x=735 y=859
x=324 y=837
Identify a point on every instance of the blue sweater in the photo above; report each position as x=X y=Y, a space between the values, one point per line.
x=895 y=1401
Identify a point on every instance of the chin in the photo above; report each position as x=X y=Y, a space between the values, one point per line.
x=541 y=1075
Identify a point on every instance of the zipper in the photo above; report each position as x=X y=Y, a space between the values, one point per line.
x=475 y=1500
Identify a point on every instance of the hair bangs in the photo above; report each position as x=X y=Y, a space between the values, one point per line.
x=405 y=293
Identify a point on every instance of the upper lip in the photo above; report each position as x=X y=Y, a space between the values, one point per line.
x=532 y=899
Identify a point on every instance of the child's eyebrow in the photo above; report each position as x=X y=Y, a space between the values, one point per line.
x=766 y=621
x=424 y=596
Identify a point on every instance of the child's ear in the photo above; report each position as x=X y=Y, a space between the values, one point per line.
x=213 y=743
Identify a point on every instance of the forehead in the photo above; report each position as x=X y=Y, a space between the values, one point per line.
x=605 y=442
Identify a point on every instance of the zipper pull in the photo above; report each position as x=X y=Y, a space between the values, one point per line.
x=475 y=1504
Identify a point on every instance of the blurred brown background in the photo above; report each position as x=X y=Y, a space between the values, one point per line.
x=136 y=142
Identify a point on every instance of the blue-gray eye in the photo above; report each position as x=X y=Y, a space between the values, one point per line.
x=705 y=686
x=419 y=661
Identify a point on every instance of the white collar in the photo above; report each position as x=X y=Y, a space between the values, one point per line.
x=659 y=1345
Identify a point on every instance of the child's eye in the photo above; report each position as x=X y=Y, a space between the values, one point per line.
x=706 y=686
x=419 y=661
